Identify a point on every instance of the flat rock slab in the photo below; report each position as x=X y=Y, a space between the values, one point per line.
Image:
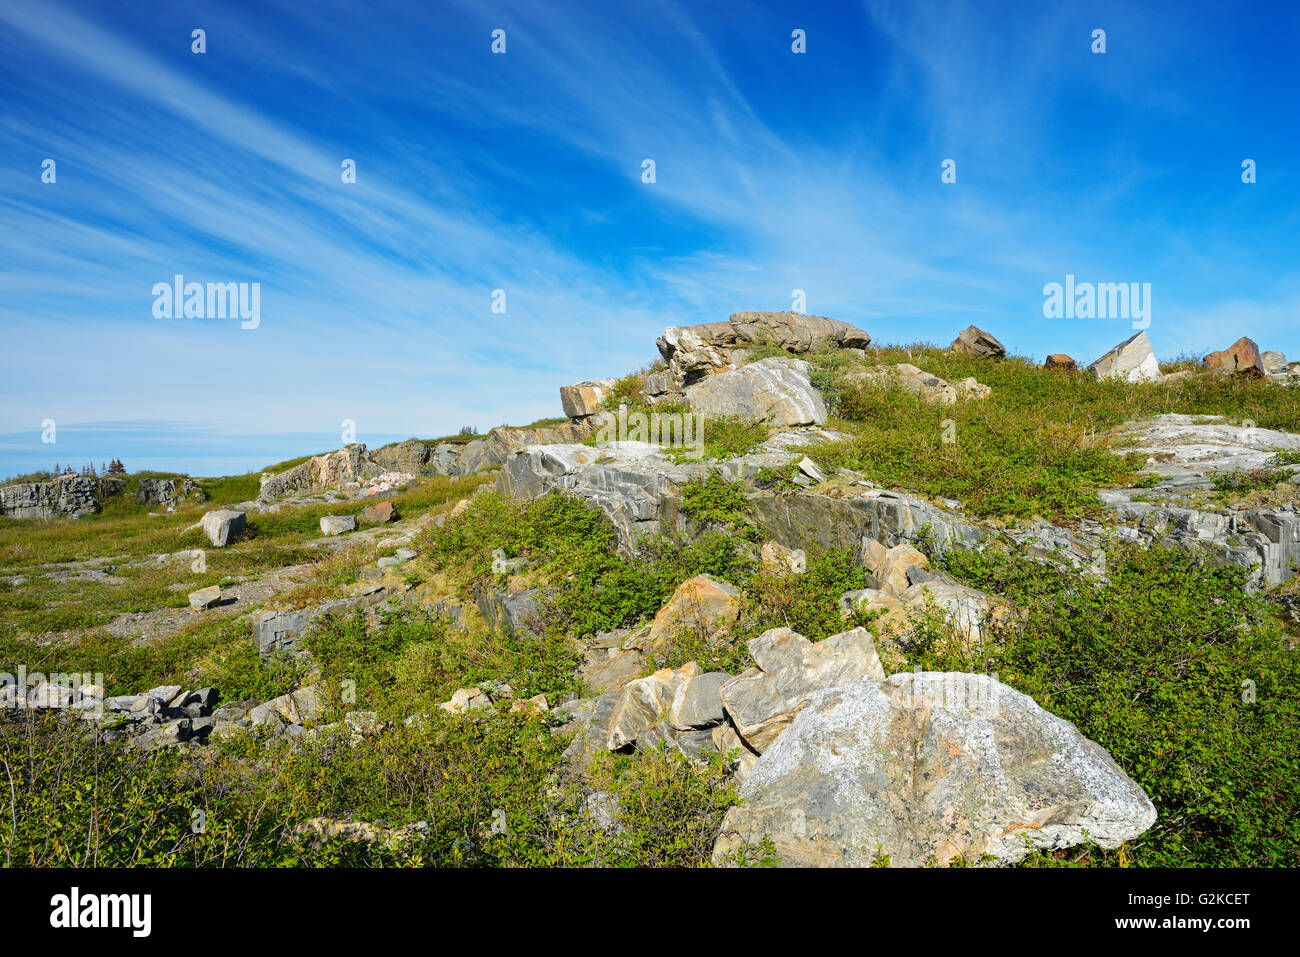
x=1190 y=445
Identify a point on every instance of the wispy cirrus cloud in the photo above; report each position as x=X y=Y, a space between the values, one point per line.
x=522 y=172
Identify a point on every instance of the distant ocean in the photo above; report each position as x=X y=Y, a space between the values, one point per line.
x=169 y=448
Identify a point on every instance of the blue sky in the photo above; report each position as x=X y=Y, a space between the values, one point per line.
x=522 y=172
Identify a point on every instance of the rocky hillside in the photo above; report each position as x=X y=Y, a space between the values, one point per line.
x=783 y=596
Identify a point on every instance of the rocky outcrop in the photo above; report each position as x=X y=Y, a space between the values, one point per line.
x=169 y=491
x=929 y=387
x=679 y=708
x=1199 y=445
x=1240 y=358
x=762 y=701
x=1133 y=360
x=776 y=391
x=330 y=471
x=694 y=351
x=492 y=452
x=1060 y=362
x=927 y=768
x=68 y=496
x=976 y=342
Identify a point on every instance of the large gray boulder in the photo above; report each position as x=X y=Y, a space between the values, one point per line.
x=776 y=391
x=975 y=341
x=223 y=526
x=1133 y=360
x=926 y=768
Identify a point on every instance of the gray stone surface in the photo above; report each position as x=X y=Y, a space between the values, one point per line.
x=68 y=496
x=926 y=768
x=1133 y=360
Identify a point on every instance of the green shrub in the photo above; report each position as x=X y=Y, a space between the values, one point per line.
x=1154 y=665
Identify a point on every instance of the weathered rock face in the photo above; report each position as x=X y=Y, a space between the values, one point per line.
x=975 y=341
x=68 y=496
x=776 y=391
x=492 y=452
x=796 y=332
x=922 y=383
x=930 y=767
x=1060 y=362
x=1240 y=358
x=1275 y=363
x=223 y=526
x=702 y=605
x=379 y=513
x=1133 y=360
x=584 y=398
x=513 y=610
x=695 y=351
x=1187 y=445
x=329 y=471
x=890 y=518
x=679 y=708
x=414 y=457
x=633 y=483
x=764 y=700
x=169 y=491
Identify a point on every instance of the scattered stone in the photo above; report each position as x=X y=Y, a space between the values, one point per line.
x=975 y=341
x=379 y=513
x=467 y=699
x=1060 y=362
x=1240 y=358
x=209 y=597
x=810 y=468
x=337 y=524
